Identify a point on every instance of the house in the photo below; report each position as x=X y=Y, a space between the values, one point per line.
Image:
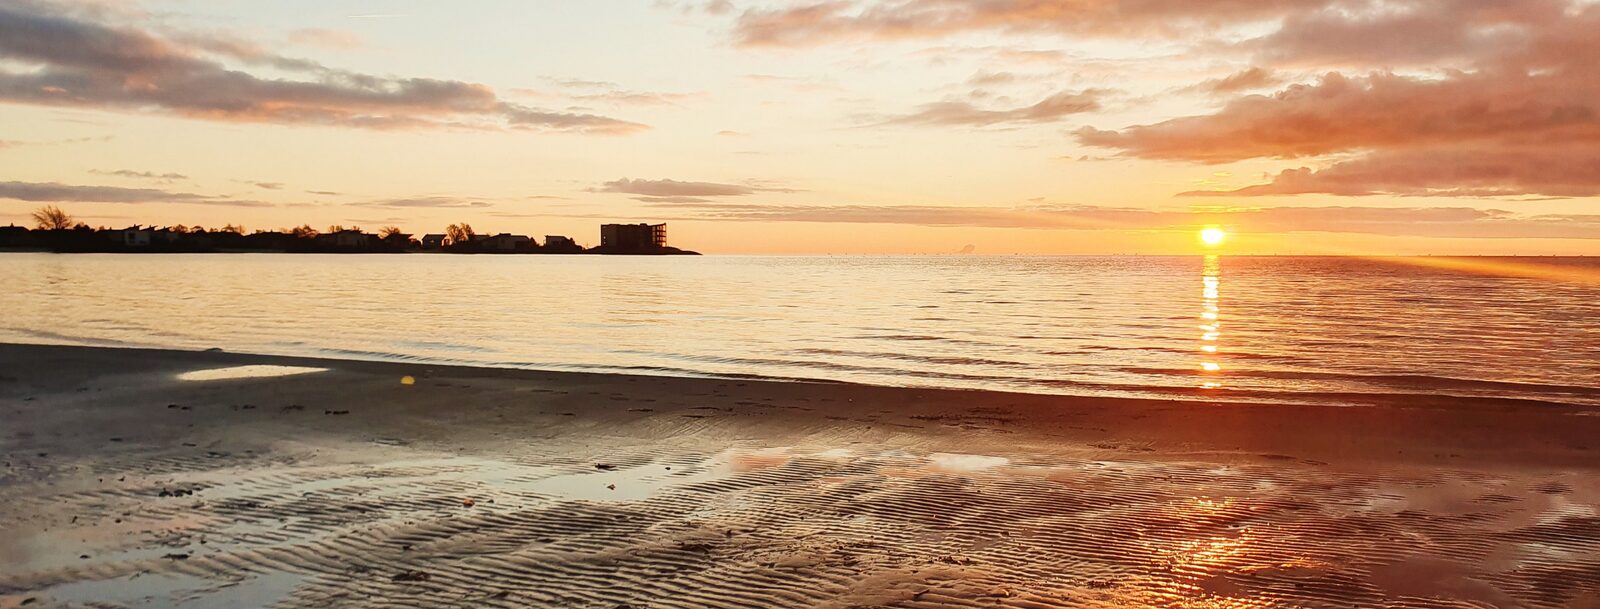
x=633 y=236
x=133 y=236
x=168 y=235
x=346 y=239
x=433 y=241
x=505 y=242
x=398 y=240
x=13 y=236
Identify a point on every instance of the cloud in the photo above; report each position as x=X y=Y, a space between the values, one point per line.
x=262 y=185
x=76 y=140
x=1049 y=110
x=636 y=98
x=142 y=175
x=603 y=91
x=1520 y=115
x=1426 y=33
x=327 y=39
x=74 y=61
x=986 y=79
x=1409 y=221
x=1343 y=114
x=425 y=202
x=582 y=83
x=674 y=188
x=819 y=23
x=1553 y=170
x=1415 y=97
x=672 y=199
x=1243 y=80
x=53 y=192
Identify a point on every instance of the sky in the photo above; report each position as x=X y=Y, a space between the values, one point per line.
x=1360 y=127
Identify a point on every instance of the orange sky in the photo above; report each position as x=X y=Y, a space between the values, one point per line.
x=845 y=127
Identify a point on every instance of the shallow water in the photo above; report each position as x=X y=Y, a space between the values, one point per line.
x=1223 y=327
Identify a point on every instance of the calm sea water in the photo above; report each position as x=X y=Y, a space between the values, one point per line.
x=1223 y=327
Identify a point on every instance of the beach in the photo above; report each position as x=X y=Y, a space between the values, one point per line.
x=143 y=478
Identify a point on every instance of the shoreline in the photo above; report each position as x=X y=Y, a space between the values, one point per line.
x=135 y=477
x=1421 y=412
x=1159 y=393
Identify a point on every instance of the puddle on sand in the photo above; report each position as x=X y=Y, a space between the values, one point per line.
x=151 y=591
x=246 y=372
x=953 y=462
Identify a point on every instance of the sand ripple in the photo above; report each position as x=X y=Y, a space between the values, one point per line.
x=795 y=528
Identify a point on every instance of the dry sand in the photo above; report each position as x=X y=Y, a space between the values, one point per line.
x=126 y=485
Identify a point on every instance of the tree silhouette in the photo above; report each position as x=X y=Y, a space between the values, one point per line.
x=232 y=228
x=389 y=232
x=459 y=233
x=51 y=217
x=304 y=231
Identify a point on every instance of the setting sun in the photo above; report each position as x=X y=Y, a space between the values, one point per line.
x=1212 y=235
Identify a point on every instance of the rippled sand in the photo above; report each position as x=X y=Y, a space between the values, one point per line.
x=130 y=481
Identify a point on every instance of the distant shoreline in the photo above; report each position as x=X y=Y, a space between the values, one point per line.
x=142 y=252
x=616 y=239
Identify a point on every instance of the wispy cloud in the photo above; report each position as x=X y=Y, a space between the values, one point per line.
x=61 y=142
x=263 y=185
x=141 y=175
x=326 y=38
x=1244 y=80
x=78 y=61
x=675 y=188
x=1051 y=109
x=823 y=22
x=426 y=202
x=605 y=92
x=54 y=192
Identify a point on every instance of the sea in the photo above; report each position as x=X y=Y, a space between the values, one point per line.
x=1334 y=330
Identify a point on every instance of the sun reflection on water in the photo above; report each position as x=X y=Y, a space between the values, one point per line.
x=1210 y=322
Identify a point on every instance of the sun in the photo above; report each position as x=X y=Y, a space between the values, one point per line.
x=1212 y=235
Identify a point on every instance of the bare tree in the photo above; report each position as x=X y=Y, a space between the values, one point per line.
x=304 y=231
x=51 y=217
x=389 y=232
x=232 y=228
x=459 y=233
x=337 y=228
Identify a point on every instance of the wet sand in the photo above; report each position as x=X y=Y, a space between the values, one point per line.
x=130 y=482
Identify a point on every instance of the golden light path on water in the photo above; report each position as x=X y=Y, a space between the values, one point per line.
x=1499 y=267
x=1210 y=321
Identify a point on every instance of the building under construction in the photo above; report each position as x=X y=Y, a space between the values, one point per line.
x=633 y=237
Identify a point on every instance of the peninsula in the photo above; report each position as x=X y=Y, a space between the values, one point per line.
x=57 y=231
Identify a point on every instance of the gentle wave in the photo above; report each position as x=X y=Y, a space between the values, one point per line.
x=1324 y=330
